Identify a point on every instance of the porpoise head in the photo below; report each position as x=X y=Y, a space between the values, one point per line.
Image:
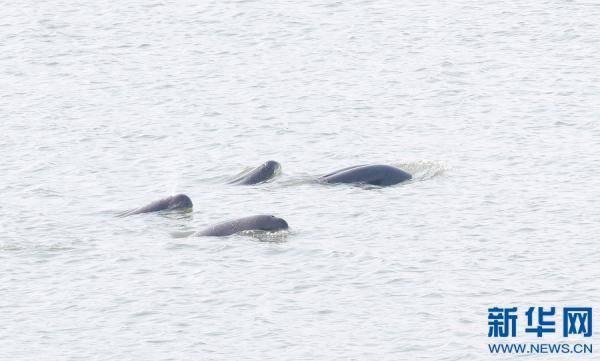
x=272 y=223
x=272 y=167
x=180 y=201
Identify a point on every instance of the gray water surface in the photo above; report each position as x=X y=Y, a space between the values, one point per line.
x=494 y=106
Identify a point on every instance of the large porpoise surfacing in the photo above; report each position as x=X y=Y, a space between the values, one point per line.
x=376 y=174
x=252 y=223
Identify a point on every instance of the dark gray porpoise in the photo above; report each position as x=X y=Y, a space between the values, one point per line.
x=260 y=174
x=376 y=174
x=179 y=201
x=252 y=223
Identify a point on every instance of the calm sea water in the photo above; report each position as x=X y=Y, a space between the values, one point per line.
x=494 y=106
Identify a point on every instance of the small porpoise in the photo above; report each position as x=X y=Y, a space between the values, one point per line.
x=260 y=174
x=376 y=174
x=179 y=201
x=252 y=223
